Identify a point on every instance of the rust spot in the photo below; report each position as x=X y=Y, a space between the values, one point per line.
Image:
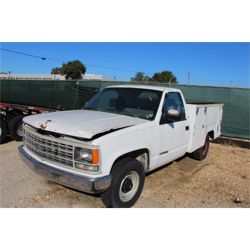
x=44 y=125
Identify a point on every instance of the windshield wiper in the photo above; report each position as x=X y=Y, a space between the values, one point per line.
x=89 y=108
x=129 y=114
x=108 y=110
x=113 y=110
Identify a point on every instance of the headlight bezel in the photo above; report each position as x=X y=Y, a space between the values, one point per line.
x=87 y=159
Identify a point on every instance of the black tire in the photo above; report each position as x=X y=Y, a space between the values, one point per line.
x=201 y=153
x=3 y=131
x=15 y=127
x=128 y=177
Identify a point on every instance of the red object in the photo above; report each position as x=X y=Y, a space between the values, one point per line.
x=4 y=105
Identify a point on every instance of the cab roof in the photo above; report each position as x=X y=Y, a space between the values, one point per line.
x=140 y=86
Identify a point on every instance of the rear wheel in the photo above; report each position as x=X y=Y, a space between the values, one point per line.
x=201 y=153
x=127 y=183
x=3 y=131
x=16 y=128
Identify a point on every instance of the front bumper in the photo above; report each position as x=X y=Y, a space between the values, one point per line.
x=81 y=183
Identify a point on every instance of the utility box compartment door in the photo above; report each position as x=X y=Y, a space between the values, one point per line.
x=199 y=131
x=203 y=119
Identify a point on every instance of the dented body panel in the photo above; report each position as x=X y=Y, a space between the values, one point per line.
x=81 y=123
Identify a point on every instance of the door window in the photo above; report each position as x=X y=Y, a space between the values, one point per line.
x=173 y=100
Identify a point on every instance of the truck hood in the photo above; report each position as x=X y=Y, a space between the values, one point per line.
x=81 y=123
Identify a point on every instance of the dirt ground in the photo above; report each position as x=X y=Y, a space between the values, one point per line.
x=221 y=180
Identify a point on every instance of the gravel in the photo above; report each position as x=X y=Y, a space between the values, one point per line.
x=221 y=180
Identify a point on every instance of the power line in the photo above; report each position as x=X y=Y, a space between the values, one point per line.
x=21 y=53
x=26 y=54
x=87 y=64
x=62 y=61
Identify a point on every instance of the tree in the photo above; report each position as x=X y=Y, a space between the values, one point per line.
x=165 y=77
x=72 y=70
x=148 y=79
x=140 y=77
x=56 y=71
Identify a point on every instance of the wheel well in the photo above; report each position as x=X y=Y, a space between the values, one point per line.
x=142 y=155
x=211 y=134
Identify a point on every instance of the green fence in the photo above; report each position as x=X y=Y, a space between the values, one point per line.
x=62 y=95
x=65 y=95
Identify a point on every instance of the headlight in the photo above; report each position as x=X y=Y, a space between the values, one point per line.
x=83 y=155
x=86 y=159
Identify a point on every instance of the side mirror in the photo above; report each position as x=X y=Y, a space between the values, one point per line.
x=172 y=115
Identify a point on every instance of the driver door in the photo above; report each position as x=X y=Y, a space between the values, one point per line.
x=173 y=135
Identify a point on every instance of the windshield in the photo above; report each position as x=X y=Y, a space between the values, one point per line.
x=142 y=103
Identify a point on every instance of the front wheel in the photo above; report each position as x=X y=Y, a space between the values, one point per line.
x=126 y=186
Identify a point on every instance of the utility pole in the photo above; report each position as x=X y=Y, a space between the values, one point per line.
x=189 y=74
x=170 y=81
x=9 y=73
x=93 y=63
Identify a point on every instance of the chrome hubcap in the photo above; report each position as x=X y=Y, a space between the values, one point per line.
x=20 y=130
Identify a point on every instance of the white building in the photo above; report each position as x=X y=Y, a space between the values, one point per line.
x=50 y=77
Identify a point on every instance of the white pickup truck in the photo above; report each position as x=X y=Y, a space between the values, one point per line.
x=121 y=134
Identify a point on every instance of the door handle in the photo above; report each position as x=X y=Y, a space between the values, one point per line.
x=187 y=128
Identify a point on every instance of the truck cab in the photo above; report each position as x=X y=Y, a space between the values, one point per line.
x=120 y=134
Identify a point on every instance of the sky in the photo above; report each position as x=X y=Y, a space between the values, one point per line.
x=219 y=64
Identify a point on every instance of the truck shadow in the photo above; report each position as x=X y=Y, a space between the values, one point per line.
x=7 y=139
x=167 y=165
x=74 y=190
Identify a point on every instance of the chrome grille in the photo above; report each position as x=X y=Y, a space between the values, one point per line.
x=48 y=148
